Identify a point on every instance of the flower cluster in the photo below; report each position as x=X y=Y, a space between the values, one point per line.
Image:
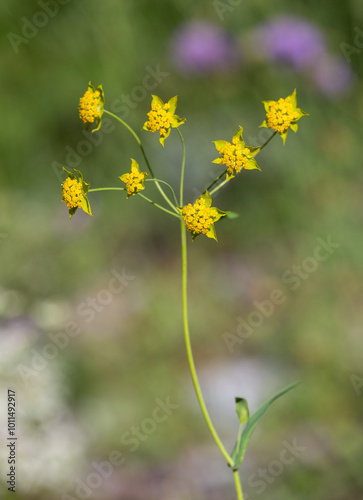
x=282 y=114
x=91 y=106
x=134 y=180
x=72 y=193
x=162 y=117
x=236 y=155
x=200 y=217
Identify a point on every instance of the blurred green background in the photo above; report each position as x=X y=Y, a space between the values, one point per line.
x=80 y=397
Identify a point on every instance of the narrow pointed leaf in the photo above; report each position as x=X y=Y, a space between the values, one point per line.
x=239 y=451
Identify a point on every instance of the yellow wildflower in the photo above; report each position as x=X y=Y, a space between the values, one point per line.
x=74 y=191
x=91 y=106
x=162 y=117
x=282 y=114
x=236 y=155
x=200 y=217
x=134 y=180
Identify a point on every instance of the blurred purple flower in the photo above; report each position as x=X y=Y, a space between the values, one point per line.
x=199 y=47
x=332 y=75
x=289 y=39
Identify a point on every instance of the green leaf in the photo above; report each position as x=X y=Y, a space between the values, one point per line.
x=238 y=135
x=173 y=102
x=208 y=199
x=72 y=211
x=293 y=99
x=177 y=121
x=252 y=164
x=80 y=176
x=242 y=410
x=252 y=150
x=163 y=137
x=157 y=100
x=212 y=233
x=232 y=215
x=283 y=135
x=240 y=450
x=86 y=207
x=70 y=174
x=220 y=144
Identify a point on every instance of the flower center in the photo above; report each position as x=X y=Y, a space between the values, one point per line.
x=234 y=156
x=134 y=180
x=281 y=114
x=72 y=193
x=89 y=106
x=159 y=118
x=198 y=218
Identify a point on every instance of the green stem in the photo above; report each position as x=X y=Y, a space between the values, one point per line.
x=182 y=169
x=107 y=189
x=166 y=184
x=190 y=352
x=159 y=206
x=218 y=187
x=137 y=138
x=216 y=180
x=237 y=482
x=141 y=195
x=268 y=140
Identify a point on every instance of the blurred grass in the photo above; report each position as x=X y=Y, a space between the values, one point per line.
x=134 y=352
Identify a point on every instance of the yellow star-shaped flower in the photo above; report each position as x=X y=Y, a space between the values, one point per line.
x=236 y=155
x=91 y=106
x=282 y=114
x=162 y=117
x=74 y=193
x=200 y=217
x=134 y=180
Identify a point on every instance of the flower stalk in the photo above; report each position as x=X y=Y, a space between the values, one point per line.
x=197 y=218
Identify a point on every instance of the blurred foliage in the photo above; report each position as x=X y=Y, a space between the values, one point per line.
x=133 y=352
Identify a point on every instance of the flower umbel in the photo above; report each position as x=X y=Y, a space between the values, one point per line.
x=134 y=180
x=282 y=114
x=200 y=217
x=91 y=106
x=74 y=193
x=236 y=155
x=162 y=117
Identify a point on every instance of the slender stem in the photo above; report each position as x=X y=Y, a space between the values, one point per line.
x=190 y=352
x=166 y=184
x=182 y=169
x=107 y=189
x=137 y=138
x=159 y=206
x=268 y=140
x=218 y=187
x=141 y=195
x=216 y=180
x=237 y=482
